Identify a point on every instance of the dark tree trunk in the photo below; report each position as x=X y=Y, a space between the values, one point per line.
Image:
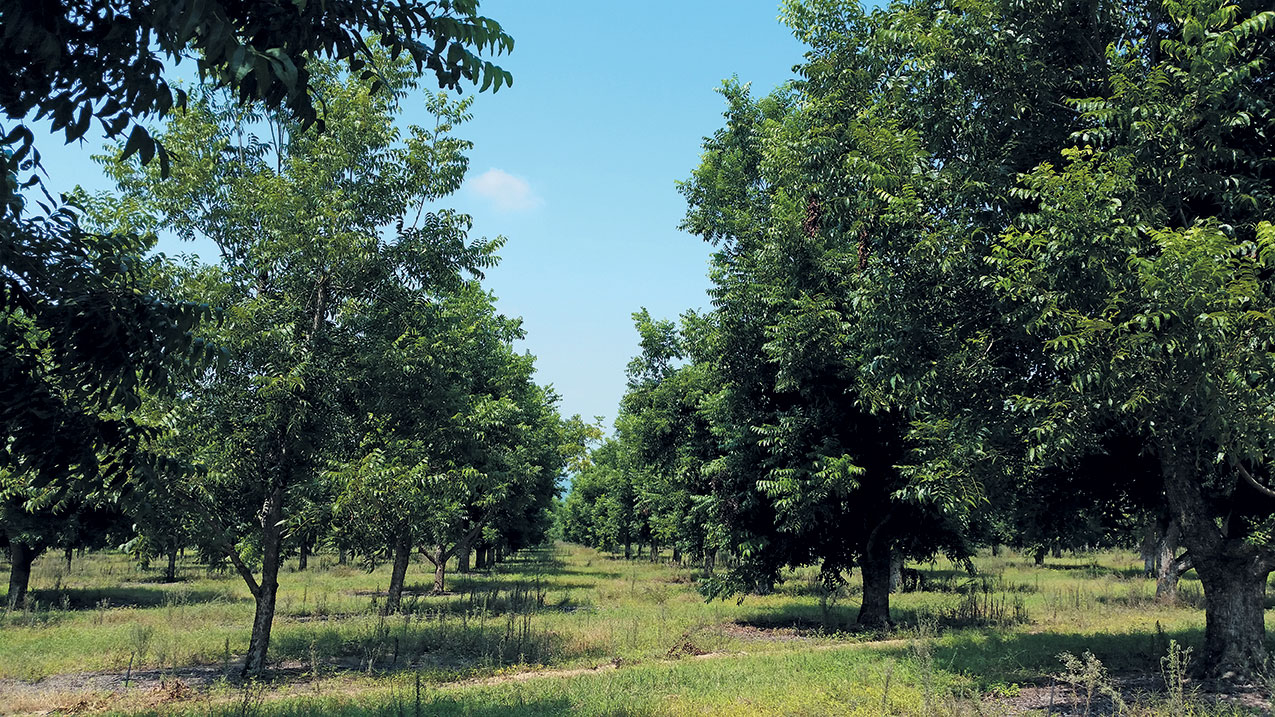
x=462 y=559
x=874 y=613
x=628 y=549
x=22 y=556
x=342 y=557
x=402 y=556
x=267 y=591
x=896 y=572
x=70 y=553
x=655 y=551
x=1040 y=555
x=499 y=552
x=1166 y=564
x=480 y=557
x=1233 y=573
x=996 y=550
x=170 y=572
x=303 y=561
x=1056 y=551
x=677 y=556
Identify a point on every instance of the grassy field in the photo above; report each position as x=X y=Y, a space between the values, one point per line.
x=571 y=631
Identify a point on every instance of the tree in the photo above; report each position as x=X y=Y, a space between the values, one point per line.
x=299 y=219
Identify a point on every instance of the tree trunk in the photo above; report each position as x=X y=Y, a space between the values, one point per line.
x=996 y=550
x=896 y=572
x=304 y=560
x=1166 y=564
x=462 y=559
x=440 y=571
x=1150 y=545
x=1041 y=551
x=170 y=573
x=874 y=612
x=655 y=551
x=402 y=556
x=1233 y=573
x=628 y=549
x=480 y=557
x=22 y=556
x=70 y=553
x=267 y=591
x=1234 y=624
x=499 y=551
x=677 y=556
x=341 y=556
x=1056 y=551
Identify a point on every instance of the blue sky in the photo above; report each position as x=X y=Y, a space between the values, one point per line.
x=575 y=165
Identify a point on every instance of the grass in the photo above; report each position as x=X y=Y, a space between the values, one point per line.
x=962 y=644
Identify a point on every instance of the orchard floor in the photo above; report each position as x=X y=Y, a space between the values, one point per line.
x=569 y=630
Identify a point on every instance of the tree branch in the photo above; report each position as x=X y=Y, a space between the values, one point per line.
x=1248 y=477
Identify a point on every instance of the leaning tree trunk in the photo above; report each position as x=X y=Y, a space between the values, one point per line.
x=1233 y=574
x=268 y=589
x=402 y=556
x=874 y=612
x=21 y=556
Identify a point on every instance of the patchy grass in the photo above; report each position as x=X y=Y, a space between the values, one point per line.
x=984 y=644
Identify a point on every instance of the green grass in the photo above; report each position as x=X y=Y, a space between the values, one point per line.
x=959 y=640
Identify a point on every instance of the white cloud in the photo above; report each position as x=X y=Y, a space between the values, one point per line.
x=507 y=192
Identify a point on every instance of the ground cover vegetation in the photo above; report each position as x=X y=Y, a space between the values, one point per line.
x=572 y=630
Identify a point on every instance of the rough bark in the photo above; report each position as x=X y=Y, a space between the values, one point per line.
x=1232 y=572
x=22 y=556
x=439 y=559
x=480 y=557
x=1166 y=564
x=896 y=572
x=499 y=554
x=268 y=588
x=628 y=550
x=402 y=556
x=1041 y=552
x=70 y=552
x=874 y=612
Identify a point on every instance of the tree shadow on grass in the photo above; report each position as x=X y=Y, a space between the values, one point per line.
x=128 y=596
x=997 y=657
x=405 y=703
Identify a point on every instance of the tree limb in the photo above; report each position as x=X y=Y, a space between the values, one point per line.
x=1248 y=477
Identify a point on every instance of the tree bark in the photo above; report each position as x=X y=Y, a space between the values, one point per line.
x=896 y=572
x=499 y=554
x=402 y=556
x=303 y=561
x=341 y=556
x=1166 y=564
x=462 y=559
x=268 y=589
x=1041 y=552
x=1233 y=573
x=439 y=559
x=170 y=572
x=874 y=612
x=628 y=550
x=70 y=552
x=22 y=556
x=480 y=557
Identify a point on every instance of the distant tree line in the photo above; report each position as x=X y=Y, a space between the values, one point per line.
x=990 y=272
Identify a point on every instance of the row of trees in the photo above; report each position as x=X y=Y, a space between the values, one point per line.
x=985 y=272
x=339 y=376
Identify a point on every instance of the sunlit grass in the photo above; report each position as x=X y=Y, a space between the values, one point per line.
x=783 y=653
